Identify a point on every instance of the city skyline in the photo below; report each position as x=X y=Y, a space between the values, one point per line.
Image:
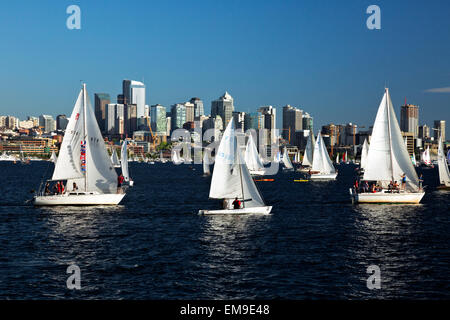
x=323 y=60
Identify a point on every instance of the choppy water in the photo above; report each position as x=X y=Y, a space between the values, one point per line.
x=314 y=245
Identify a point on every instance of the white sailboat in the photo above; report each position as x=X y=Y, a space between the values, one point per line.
x=206 y=169
x=309 y=152
x=444 y=174
x=252 y=158
x=364 y=153
x=322 y=167
x=286 y=161
x=124 y=164
x=115 y=159
x=337 y=158
x=231 y=179
x=84 y=161
x=53 y=157
x=176 y=159
x=388 y=160
x=426 y=157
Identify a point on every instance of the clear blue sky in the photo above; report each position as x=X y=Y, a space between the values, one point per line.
x=315 y=54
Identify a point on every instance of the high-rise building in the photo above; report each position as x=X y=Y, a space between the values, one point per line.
x=47 y=123
x=268 y=122
x=178 y=115
x=198 y=107
x=292 y=121
x=35 y=121
x=307 y=122
x=223 y=107
x=61 y=122
x=190 y=111
x=131 y=119
x=158 y=119
x=134 y=93
x=120 y=119
x=424 y=132
x=439 y=126
x=409 y=119
x=251 y=121
x=101 y=100
x=115 y=118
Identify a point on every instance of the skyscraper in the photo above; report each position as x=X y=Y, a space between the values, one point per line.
x=61 y=122
x=101 y=100
x=223 y=107
x=424 y=131
x=409 y=119
x=190 y=111
x=47 y=123
x=292 y=121
x=307 y=121
x=115 y=118
x=268 y=124
x=134 y=93
x=439 y=126
x=178 y=116
x=131 y=119
x=198 y=107
x=158 y=119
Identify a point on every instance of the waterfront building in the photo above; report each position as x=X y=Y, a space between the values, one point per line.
x=101 y=100
x=409 y=119
x=223 y=107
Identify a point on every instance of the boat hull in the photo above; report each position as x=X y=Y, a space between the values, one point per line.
x=385 y=197
x=323 y=177
x=257 y=172
x=254 y=210
x=79 y=199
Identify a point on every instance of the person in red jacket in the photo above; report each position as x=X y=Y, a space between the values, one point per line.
x=236 y=204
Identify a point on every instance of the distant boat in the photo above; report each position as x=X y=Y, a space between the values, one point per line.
x=176 y=159
x=426 y=157
x=231 y=179
x=364 y=153
x=124 y=164
x=206 y=169
x=444 y=175
x=387 y=161
x=83 y=160
x=286 y=161
x=337 y=158
x=53 y=157
x=322 y=167
x=252 y=158
x=309 y=152
x=115 y=159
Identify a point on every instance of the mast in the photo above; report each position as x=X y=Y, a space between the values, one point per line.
x=240 y=172
x=389 y=130
x=85 y=138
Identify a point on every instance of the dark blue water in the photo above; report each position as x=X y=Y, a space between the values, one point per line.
x=314 y=245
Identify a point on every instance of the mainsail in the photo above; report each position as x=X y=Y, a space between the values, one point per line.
x=364 y=153
x=115 y=158
x=286 y=161
x=321 y=159
x=124 y=161
x=444 y=175
x=53 y=157
x=308 y=156
x=388 y=157
x=231 y=177
x=426 y=157
x=251 y=156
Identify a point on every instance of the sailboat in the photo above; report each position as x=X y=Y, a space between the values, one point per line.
x=206 y=170
x=388 y=160
x=115 y=159
x=176 y=159
x=83 y=161
x=22 y=159
x=286 y=161
x=426 y=158
x=444 y=175
x=231 y=179
x=124 y=164
x=252 y=158
x=53 y=157
x=308 y=156
x=364 y=153
x=337 y=158
x=322 y=167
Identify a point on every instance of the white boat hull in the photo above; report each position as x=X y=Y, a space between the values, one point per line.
x=80 y=199
x=318 y=176
x=254 y=210
x=257 y=172
x=385 y=197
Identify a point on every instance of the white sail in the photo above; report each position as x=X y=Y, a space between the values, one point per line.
x=251 y=156
x=444 y=175
x=206 y=169
x=426 y=156
x=124 y=161
x=115 y=158
x=53 y=157
x=286 y=161
x=308 y=156
x=364 y=153
x=231 y=177
x=321 y=159
x=388 y=157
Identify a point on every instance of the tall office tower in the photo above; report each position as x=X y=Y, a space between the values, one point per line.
x=134 y=93
x=239 y=120
x=198 y=107
x=251 y=121
x=178 y=115
x=61 y=122
x=131 y=119
x=223 y=107
x=121 y=99
x=292 y=121
x=190 y=111
x=101 y=100
x=350 y=132
x=110 y=118
x=268 y=124
x=120 y=119
x=409 y=119
x=307 y=122
x=47 y=123
x=424 y=132
x=439 y=125
x=158 y=119
x=331 y=131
